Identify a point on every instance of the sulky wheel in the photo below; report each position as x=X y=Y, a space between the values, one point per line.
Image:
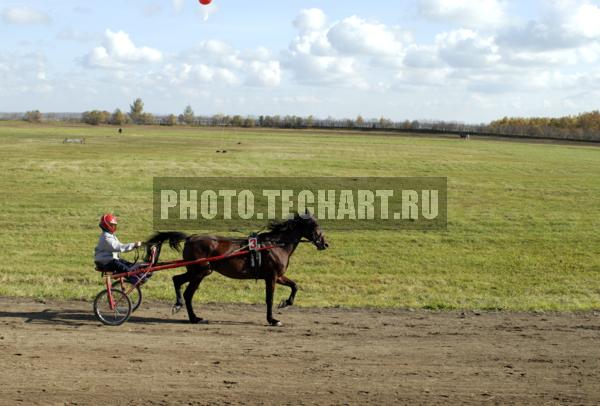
x=115 y=313
x=133 y=292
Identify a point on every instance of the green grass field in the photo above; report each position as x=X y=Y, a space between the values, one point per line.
x=523 y=231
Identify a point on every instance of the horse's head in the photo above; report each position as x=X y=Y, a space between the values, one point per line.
x=154 y=244
x=152 y=253
x=309 y=229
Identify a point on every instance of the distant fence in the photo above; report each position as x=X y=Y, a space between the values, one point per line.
x=480 y=134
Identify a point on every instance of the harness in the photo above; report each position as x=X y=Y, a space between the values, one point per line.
x=255 y=256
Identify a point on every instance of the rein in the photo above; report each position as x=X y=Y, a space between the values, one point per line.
x=137 y=254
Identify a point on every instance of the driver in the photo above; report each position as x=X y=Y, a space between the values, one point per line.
x=107 y=251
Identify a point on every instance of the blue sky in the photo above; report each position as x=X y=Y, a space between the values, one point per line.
x=460 y=60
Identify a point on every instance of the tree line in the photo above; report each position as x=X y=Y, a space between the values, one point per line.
x=584 y=126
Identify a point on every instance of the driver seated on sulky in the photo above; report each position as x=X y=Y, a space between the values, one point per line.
x=109 y=247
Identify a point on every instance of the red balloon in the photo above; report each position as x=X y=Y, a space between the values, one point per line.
x=205 y=2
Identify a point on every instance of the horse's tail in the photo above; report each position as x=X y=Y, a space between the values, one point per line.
x=173 y=237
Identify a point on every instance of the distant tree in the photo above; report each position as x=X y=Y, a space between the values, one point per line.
x=276 y=121
x=136 y=111
x=217 y=119
x=249 y=122
x=359 y=122
x=188 y=115
x=171 y=120
x=146 y=118
x=589 y=121
x=534 y=131
x=288 y=122
x=33 y=116
x=267 y=121
x=118 y=117
x=261 y=121
x=96 y=117
x=226 y=120
x=310 y=121
x=236 y=121
x=385 y=123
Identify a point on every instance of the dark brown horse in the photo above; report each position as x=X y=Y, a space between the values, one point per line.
x=284 y=235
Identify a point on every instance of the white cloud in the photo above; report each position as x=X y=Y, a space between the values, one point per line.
x=353 y=35
x=589 y=53
x=218 y=61
x=325 y=70
x=212 y=64
x=258 y=54
x=310 y=20
x=466 y=48
x=214 y=52
x=119 y=51
x=226 y=76
x=267 y=74
x=419 y=78
x=558 y=57
x=487 y=14
x=24 y=15
x=314 y=43
x=341 y=53
x=23 y=73
x=177 y=75
x=422 y=56
x=538 y=36
x=562 y=24
x=585 y=21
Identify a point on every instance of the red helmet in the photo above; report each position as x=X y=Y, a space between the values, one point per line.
x=108 y=222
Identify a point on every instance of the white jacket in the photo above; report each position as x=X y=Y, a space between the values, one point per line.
x=109 y=247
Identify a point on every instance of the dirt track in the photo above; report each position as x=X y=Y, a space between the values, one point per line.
x=57 y=353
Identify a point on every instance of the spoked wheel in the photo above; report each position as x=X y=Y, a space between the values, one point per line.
x=133 y=292
x=115 y=313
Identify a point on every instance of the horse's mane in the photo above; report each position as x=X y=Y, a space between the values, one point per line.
x=174 y=237
x=277 y=226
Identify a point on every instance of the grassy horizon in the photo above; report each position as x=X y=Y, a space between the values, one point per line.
x=522 y=231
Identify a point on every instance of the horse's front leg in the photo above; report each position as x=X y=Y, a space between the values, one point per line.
x=189 y=296
x=283 y=280
x=270 y=291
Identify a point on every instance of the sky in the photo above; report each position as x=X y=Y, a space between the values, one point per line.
x=460 y=60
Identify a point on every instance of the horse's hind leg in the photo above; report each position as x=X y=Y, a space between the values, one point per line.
x=179 y=280
x=282 y=280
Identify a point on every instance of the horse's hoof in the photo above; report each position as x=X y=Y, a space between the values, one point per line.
x=284 y=303
x=276 y=323
x=176 y=308
x=198 y=320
